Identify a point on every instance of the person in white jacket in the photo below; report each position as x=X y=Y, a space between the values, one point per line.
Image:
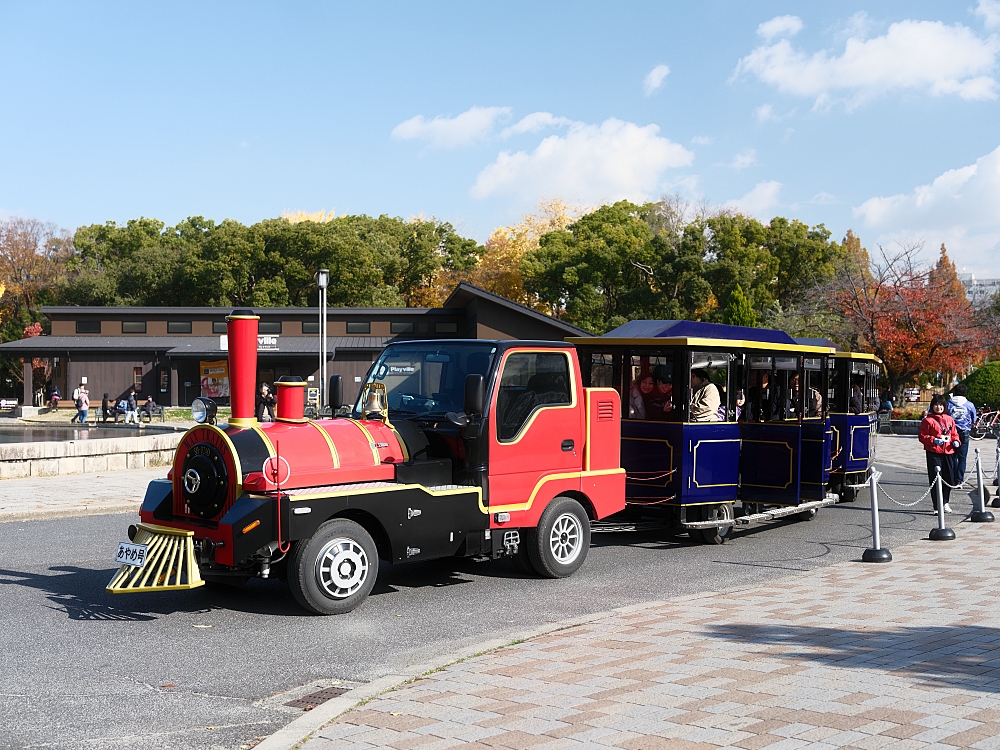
x=705 y=399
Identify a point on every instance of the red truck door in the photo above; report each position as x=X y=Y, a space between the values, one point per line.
x=536 y=430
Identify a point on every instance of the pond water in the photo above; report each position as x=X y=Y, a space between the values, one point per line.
x=59 y=434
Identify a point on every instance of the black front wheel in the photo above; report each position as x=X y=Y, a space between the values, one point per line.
x=559 y=545
x=334 y=570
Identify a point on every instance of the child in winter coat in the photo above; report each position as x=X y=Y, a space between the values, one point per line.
x=939 y=437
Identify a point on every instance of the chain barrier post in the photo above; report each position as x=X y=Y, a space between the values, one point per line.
x=941 y=533
x=996 y=478
x=877 y=554
x=979 y=513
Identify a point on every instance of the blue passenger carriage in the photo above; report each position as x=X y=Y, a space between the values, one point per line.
x=715 y=415
x=854 y=402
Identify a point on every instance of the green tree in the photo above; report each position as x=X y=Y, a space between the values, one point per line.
x=598 y=272
x=984 y=385
x=739 y=312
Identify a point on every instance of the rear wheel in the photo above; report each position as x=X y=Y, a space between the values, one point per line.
x=719 y=534
x=558 y=547
x=978 y=432
x=334 y=570
x=847 y=494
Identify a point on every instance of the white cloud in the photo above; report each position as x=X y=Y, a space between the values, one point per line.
x=780 y=26
x=915 y=55
x=745 y=158
x=989 y=11
x=475 y=124
x=655 y=79
x=703 y=140
x=958 y=208
x=589 y=164
x=534 y=122
x=858 y=26
x=759 y=201
x=764 y=113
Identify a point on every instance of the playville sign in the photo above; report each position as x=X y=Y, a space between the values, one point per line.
x=265 y=343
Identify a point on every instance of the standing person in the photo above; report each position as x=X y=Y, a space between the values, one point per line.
x=939 y=437
x=131 y=410
x=78 y=403
x=83 y=405
x=106 y=408
x=705 y=398
x=265 y=404
x=963 y=412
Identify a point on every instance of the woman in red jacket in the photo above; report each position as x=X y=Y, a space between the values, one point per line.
x=940 y=438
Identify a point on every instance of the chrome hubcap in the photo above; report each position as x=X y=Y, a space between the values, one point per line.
x=566 y=538
x=341 y=568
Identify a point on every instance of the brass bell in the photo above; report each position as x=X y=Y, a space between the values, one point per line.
x=375 y=403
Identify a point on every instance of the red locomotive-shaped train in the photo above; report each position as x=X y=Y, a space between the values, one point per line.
x=454 y=448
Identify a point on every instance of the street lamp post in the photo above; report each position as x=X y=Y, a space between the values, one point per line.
x=322 y=280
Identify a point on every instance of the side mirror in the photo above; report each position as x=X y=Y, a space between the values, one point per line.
x=475 y=394
x=335 y=394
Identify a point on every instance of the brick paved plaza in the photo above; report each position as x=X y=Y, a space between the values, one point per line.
x=902 y=655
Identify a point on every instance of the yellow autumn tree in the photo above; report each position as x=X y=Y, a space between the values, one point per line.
x=499 y=268
x=320 y=217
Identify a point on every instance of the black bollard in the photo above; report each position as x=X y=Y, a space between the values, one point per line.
x=941 y=533
x=877 y=554
x=979 y=513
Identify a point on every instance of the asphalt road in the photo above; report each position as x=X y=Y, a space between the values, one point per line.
x=80 y=668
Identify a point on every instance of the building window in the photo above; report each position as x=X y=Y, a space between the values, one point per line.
x=270 y=327
x=133 y=326
x=401 y=327
x=359 y=327
x=446 y=328
x=137 y=379
x=88 y=326
x=310 y=326
x=178 y=326
x=219 y=326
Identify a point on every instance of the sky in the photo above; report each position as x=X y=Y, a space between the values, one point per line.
x=883 y=118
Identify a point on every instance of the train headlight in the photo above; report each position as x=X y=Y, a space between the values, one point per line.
x=203 y=410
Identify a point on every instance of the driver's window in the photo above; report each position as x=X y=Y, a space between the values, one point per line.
x=530 y=380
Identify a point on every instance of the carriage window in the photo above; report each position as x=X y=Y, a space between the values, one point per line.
x=758 y=396
x=530 y=381
x=809 y=398
x=602 y=371
x=651 y=388
x=710 y=387
x=833 y=391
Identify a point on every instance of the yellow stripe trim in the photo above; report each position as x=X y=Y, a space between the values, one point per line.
x=551 y=478
x=393 y=488
x=371 y=440
x=329 y=441
x=599 y=341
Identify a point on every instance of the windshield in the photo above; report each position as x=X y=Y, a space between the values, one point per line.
x=428 y=377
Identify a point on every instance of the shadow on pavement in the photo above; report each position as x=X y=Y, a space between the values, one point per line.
x=79 y=592
x=946 y=656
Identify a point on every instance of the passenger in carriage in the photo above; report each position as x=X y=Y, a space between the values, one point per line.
x=660 y=403
x=857 y=404
x=814 y=401
x=640 y=391
x=705 y=399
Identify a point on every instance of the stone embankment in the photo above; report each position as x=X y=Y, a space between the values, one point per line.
x=40 y=459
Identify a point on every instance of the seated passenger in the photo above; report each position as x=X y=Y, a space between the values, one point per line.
x=705 y=400
x=857 y=404
x=814 y=401
x=660 y=401
x=642 y=387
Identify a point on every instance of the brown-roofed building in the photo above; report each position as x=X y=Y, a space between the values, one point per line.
x=159 y=350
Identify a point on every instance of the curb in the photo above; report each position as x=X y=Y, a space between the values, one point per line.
x=300 y=729
x=42 y=515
